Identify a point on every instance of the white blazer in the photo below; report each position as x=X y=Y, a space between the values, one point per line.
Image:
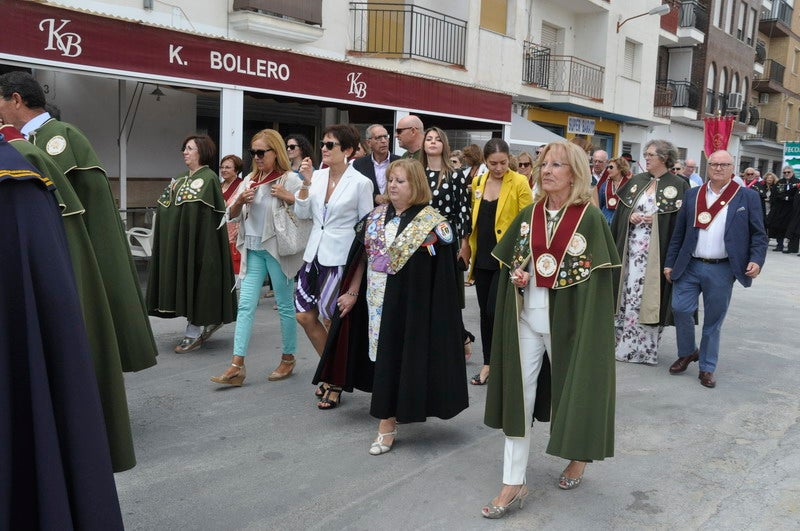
x=332 y=236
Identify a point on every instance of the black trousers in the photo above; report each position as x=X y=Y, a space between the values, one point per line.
x=486 y=289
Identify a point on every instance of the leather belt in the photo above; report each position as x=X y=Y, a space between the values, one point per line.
x=710 y=260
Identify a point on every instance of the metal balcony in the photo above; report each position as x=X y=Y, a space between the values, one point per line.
x=408 y=31
x=767 y=129
x=561 y=74
x=693 y=15
x=778 y=22
x=683 y=94
x=772 y=78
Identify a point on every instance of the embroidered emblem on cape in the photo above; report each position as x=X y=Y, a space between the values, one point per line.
x=634 y=188
x=56 y=145
x=524 y=229
x=670 y=192
x=197 y=184
x=577 y=245
x=704 y=218
x=546 y=264
x=477 y=194
x=678 y=203
x=444 y=232
x=612 y=202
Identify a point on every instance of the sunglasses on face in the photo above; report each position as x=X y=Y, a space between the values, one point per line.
x=524 y=164
x=787 y=173
x=292 y=147
x=400 y=130
x=328 y=145
x=675 y=169
x=259 y=153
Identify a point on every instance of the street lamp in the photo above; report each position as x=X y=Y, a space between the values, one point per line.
x=661 y=10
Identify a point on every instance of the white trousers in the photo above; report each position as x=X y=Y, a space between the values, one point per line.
x=532 y=347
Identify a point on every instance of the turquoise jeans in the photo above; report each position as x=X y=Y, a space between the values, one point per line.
x=259 y=263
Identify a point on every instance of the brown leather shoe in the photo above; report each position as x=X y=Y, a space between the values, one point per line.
x=283 y=371
x=681 y=364
x=707 y=379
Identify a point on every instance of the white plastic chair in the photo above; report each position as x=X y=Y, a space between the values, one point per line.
x=140 y=241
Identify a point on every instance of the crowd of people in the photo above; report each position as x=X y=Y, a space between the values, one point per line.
x=577 y=261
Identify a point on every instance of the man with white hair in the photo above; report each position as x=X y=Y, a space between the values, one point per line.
x=690 y=172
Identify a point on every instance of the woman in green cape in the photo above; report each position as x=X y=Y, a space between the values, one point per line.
x=556 y=297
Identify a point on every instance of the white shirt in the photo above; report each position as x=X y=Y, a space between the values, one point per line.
x=711 y=241
x=34 y=124
x=380 y=172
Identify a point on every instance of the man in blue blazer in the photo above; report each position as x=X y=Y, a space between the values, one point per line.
x=374 y=166
x=719 y=237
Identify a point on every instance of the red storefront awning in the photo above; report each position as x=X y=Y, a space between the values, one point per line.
x=48 y=36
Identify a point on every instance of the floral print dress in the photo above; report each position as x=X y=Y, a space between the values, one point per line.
x=376 y=289
x=636 y=343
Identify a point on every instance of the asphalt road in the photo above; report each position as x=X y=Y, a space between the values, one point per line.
x=264 y=457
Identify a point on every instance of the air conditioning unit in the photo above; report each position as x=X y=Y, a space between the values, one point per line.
x=763 y=97
x=735 y=100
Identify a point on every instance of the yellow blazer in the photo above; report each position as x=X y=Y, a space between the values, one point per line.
x=515 y=194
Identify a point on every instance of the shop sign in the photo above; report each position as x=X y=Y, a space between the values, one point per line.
x=42 y=34
x=580 y=126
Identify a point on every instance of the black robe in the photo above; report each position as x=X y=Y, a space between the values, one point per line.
x=781 y=205
x=419 y=370
x=55 y=465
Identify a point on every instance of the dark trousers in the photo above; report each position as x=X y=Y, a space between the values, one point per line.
x=486 y=289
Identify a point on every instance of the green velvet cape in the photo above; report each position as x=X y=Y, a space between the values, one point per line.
x=577 y=393
x=191 y=273
x=95 y=308
x=76 y=158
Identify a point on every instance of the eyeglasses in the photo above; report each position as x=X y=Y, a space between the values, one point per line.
x=719 y=165
x=399 y=130
x=291 y=147
x=787 y=173
x=328 y=145
x=524 y=164
x=188 y=148
x=675 y=170
x=227 y=168
x=749 y=173
x=650 y=155
x=259 y=153
x=553 y=165
x=598 y=161
x=381 y=138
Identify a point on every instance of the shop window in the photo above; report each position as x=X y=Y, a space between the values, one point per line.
x=494 y=15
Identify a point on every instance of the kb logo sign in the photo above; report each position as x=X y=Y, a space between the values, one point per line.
x=68 y=43
x=357 y=88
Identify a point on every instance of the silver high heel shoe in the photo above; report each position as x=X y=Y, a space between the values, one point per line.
x=378 y=448
x=565 y=483
x=494 y=512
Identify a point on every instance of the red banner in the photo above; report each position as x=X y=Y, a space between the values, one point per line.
x=718 y=132
x=52 y=37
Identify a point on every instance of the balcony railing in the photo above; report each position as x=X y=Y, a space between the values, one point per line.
x=781 y=12
x=406 y=31
x=773 y=71
x=562 y=74
x=693 y=15
x=767 y=129
x=683 y=94
x=761 y=52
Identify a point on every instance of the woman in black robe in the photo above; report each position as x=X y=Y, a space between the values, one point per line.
x=397 y=330
x=55 y=465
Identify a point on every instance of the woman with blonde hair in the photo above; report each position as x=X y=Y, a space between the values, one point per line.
x=555 y=297
x=269 y=186
x=392 y=334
